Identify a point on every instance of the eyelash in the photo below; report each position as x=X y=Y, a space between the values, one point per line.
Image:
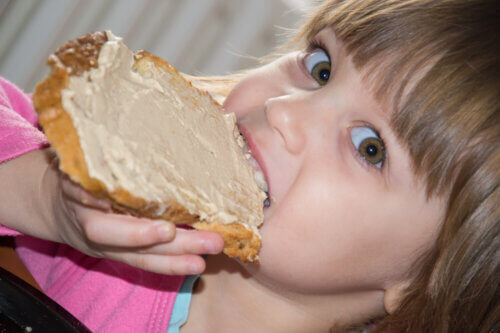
x=315 y=43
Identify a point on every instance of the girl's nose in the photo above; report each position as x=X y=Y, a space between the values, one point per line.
x=285 y=116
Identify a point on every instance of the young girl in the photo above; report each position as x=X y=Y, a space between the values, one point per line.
x=379 y=137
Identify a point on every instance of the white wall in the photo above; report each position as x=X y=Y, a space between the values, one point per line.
x=196 y=36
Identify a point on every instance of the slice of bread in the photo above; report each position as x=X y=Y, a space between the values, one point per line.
x=131 y=130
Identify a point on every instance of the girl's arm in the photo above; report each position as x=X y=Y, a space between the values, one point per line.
x=24 y=205
x=18 y=132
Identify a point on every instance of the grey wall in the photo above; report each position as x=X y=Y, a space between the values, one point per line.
x=197 y=36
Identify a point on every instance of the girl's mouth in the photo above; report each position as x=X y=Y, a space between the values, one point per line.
x=251 y=152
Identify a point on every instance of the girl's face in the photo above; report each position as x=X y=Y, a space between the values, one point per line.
x=347 y=214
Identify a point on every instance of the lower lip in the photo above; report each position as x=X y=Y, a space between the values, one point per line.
x=256 y=154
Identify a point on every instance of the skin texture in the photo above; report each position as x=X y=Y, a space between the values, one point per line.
x=341 y=235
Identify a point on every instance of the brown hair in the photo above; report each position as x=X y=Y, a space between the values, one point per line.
x=450 y=123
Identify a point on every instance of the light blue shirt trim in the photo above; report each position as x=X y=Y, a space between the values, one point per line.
x=180 y=310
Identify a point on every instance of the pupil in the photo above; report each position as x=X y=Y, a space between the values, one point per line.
x=371 y=150
x=324 y=75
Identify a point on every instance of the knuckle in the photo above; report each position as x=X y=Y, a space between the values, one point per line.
x=138 y=237
x=189 y=247
x=141 y=262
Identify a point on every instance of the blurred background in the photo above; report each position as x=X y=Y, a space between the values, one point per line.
x=198 y=37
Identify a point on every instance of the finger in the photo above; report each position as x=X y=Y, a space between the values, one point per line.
x=123 y=230
x=189 y=242
x=76 y=193
x=170 y=265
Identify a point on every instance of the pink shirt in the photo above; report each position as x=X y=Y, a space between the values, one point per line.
x=107 y=296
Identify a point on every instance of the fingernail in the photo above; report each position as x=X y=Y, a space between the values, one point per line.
x=210 y=247
x=194 y=268
x=165 y=231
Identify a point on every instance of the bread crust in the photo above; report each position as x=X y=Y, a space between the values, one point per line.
x=73 y=59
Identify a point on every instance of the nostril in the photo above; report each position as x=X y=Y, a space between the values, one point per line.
x=284 y=118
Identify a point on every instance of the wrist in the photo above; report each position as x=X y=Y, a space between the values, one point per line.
x=28 y=187
x=49 y=196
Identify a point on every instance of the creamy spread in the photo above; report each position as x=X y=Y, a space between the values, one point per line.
x=143 y=131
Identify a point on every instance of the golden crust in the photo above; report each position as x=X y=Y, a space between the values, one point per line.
x=56 y=123
x=238 y=240
x=72 y=59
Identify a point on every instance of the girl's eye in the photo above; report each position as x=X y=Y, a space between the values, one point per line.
x=318 y=64
x=369 y=145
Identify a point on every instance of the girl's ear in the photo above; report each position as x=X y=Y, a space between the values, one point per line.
x=393 y=295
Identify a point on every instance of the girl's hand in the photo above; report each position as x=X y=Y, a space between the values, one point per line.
x=37 y=200
x=88 y=225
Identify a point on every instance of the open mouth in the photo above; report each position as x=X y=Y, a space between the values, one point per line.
x=259 y=175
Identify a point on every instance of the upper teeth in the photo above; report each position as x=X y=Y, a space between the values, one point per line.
x=258 y=174
x=261 y=182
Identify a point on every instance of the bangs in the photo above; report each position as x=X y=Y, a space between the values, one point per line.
x=433 y=65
